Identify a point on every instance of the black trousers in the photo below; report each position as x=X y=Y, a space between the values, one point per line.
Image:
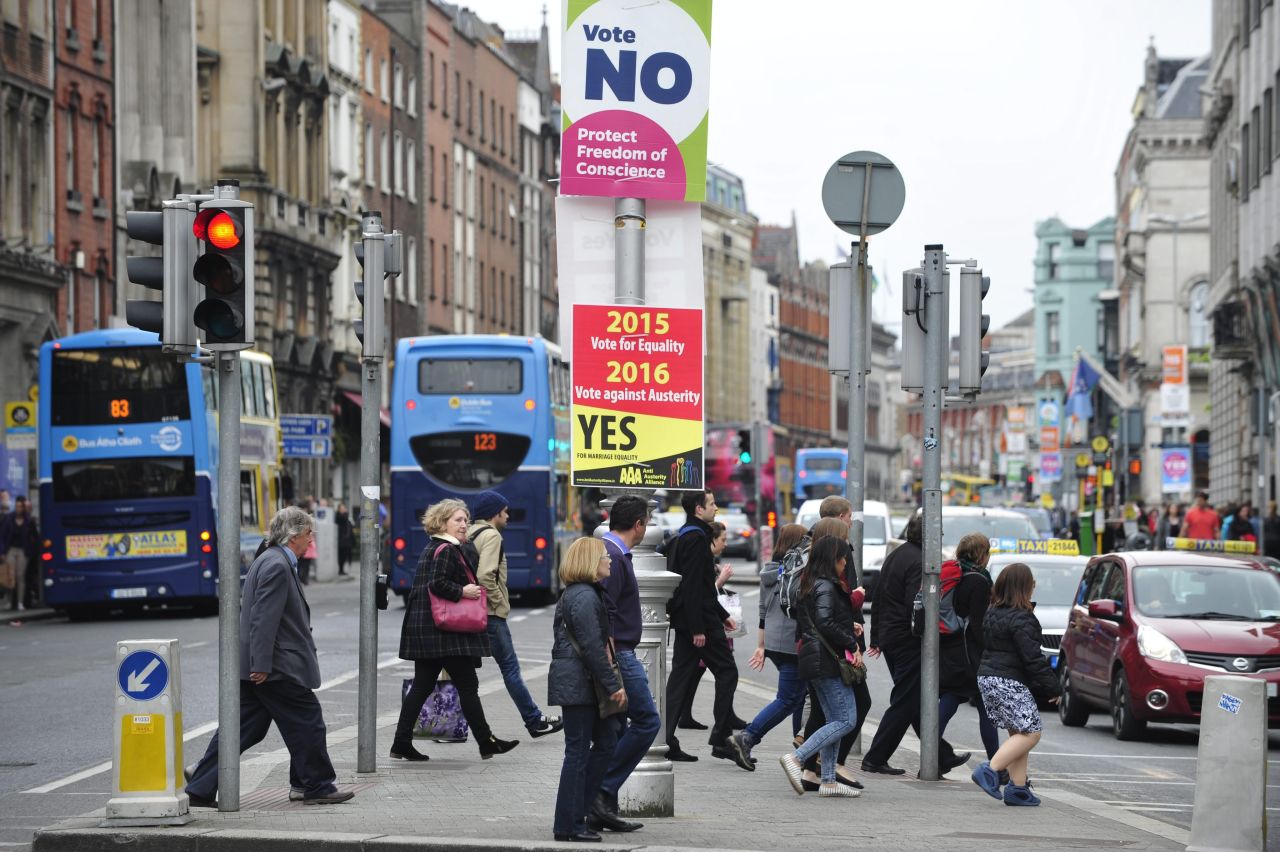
x=296 y=711
x=462 y=671
x=717 y=657
x=818 y=718
x=904 y=708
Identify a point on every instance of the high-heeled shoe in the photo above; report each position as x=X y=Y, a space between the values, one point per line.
x=493 y=745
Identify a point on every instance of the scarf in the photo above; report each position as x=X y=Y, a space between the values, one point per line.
x=967 y=567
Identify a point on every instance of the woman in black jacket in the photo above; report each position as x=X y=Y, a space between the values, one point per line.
x=961 y=652
x=1013 y=674
x=580 y=656
x=443 y=570
x=825 y=629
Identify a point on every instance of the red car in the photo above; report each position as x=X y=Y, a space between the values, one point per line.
x=1147 y=627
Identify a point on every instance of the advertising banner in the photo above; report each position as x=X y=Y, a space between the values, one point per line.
x=1174 y=364
x=1175 y=470
x=637 y=397
x=20 y=425
x=1175 y=404
x=635 y=87
x=132 y=545
x=584 y=257
x=1050 y=413
x=1050 y=467
x=1049 y=439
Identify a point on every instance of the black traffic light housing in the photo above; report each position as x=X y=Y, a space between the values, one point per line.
x=170 y=229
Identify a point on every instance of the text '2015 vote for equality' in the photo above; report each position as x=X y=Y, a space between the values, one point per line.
x=637 y=396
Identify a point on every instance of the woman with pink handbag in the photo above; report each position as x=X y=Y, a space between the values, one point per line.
x=444 y=628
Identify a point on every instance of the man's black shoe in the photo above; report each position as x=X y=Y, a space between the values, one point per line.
x=960 y=758
x=728 y=752
x=881 y=769
x=681 y=756
x=334 y=798
x=584 y=836
x=201 y=802
x=692 y=724
x=601 y=818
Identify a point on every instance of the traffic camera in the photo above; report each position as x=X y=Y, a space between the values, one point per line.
x=974 y=325
x=225 y=228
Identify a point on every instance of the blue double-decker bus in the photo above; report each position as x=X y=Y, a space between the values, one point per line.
x=483 y=412
x=127 y=442
x=820 y=471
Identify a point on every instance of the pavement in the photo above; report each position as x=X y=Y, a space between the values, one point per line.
x=455 y=801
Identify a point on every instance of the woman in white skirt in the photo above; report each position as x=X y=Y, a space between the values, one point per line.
x=1012 y=675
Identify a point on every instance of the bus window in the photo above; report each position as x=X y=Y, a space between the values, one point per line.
x=470 y=459
x=128 y=479
x=129 y=384
x=249 y=499
x=259 y=402
x=269 y=391
x=465 y=375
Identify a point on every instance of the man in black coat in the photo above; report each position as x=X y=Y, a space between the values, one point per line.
x=699 y=622
x=896 y=589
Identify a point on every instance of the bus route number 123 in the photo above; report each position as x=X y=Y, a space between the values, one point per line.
x=486 y=442
x=631 y=322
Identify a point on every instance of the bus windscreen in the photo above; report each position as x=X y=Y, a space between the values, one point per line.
x=126 y=479
x=472 y=459
x=470 y=376
x=128 y=384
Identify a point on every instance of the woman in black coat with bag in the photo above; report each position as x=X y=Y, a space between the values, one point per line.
x=443 y=571
x=582 y=675
x=1013 y=674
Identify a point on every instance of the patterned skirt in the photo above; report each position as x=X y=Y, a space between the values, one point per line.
x=1010 y=705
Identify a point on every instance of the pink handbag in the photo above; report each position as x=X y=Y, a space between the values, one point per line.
x=461 y=616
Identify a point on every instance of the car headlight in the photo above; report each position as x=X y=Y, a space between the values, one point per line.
x=1154 y=644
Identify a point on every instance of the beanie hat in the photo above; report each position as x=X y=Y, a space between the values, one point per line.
x=487 y=504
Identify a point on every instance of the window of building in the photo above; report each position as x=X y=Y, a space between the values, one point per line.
x=1198 y=316
x=431 y=79
x=97 y=177
x=1053 y=333
x=384 y=156
x=397 y=85
x=1255 y=171
x=431 y=268
x=410 y=171
x=482 y=124
x=70 y=165
x=368 y=70
x=457 y=99
x=412 y=96
x=1275 y=119
x=471 y=108
x=397 y=146
x=502 y=214
x=493 y=207
x=1106 y=260
x=444 y=89
x=411 y=270
x=482 y=299
x=368 y=154
x=1054 y=249
x=430 y=163
x=502 y=129
x=444 y=179
x=479 y=208
x=1267 y=133
x=384 y=81
x=493 y=121
x=1244 y=162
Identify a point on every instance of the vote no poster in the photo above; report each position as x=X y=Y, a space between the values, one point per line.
x=637 y=397
x=635 y=89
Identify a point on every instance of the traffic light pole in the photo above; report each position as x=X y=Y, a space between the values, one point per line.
x=370 y=492
x=859 y=332
x=228 y=367
x=935 y=384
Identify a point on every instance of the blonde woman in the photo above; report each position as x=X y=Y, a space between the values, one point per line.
x=444 y=570
x=582 y=653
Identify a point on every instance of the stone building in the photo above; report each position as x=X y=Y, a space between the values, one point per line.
x=1162 y=260
x=31 y=276
x=728 y=232
x=84 y=157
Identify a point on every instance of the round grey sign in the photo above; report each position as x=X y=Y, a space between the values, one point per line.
x=843 y=192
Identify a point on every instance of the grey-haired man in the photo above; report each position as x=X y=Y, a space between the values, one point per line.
x=278 y=670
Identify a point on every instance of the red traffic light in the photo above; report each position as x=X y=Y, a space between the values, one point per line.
x=218 y=228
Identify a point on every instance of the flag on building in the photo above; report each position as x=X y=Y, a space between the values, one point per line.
x=1079 y=398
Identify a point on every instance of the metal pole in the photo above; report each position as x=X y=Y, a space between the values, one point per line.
x=651 y=789
x=935 y=380
x=859 y=331
x=370 y=494
x=757 y=467
x=228 y=365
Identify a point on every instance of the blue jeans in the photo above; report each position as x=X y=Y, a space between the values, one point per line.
x=949 y=703
x=790 y=698
x=588 y=746
x=643 y=724
x=842 y=713
x=504 y=654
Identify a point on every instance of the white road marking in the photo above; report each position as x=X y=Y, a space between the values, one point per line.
x=1114 y=756
x=195 y=645
x=199 y=731
x=517 y=618
x=539 y=611
x=332 y=614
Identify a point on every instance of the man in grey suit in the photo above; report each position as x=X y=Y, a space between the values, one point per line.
x=278 y=671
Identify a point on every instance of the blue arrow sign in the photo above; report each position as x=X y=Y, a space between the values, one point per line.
x=143 y=675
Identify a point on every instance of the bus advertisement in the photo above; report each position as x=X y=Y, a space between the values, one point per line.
x=471 y=413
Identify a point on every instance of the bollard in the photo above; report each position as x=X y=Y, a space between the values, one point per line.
x=651 y=789
x=147 y=766
x=1231 y=766
x=326 y=531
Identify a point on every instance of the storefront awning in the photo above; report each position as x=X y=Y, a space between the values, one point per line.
x=358 y=400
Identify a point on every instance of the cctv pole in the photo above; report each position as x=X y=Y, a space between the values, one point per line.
x=935 y=379
x=370 y=491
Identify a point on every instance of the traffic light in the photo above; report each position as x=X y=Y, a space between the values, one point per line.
x=378 y=254
x=744 y=446
x=225 y=226
x=974 y=325
x=170 y=229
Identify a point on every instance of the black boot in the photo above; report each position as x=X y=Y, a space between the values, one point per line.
x=406 y=751
x=492 y=745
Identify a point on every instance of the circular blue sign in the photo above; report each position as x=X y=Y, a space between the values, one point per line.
x=143 y=675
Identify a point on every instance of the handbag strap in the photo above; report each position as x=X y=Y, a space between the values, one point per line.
x=608 y=648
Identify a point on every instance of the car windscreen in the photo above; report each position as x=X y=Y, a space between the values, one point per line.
x=1056 y=585
x=1207 y=592
x=957 y=527
x=873 y=527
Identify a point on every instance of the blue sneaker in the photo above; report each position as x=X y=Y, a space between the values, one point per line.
x=985 y=777
x=1019 y=796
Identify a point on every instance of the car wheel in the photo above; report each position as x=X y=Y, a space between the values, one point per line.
x=1124 y=724
x=1072 y=711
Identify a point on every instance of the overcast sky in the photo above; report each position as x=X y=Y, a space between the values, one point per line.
x=999 y=113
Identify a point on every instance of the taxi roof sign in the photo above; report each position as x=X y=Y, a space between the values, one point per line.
x=1211 y=545
x=1050 y=547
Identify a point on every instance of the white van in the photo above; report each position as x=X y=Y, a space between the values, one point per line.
x=876 y=532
